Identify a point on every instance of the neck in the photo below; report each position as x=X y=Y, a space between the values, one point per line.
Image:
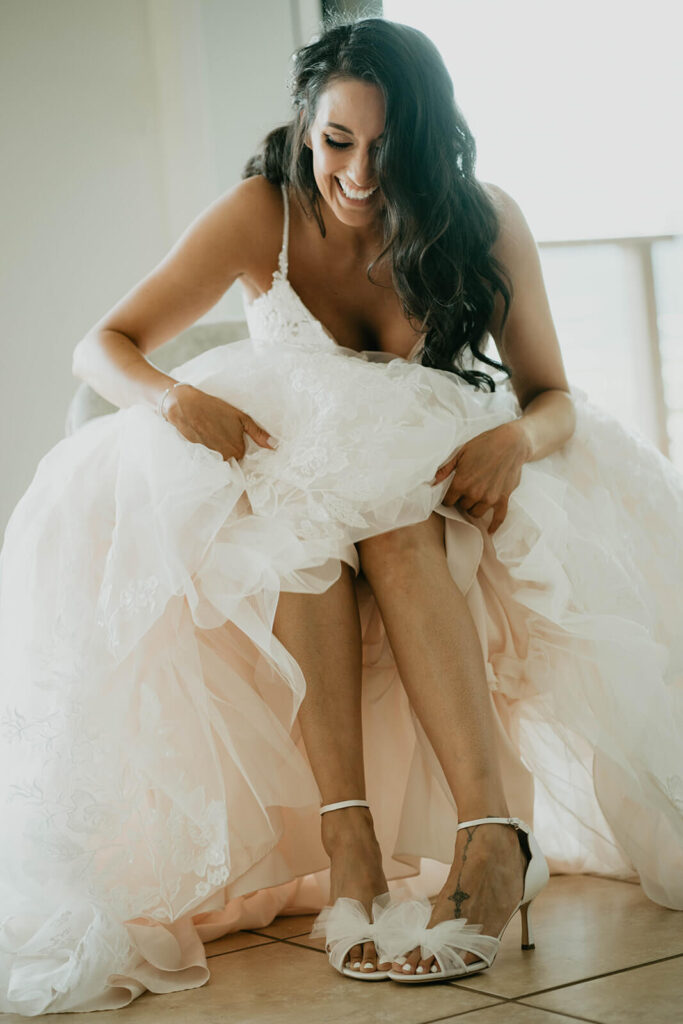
x=360 y=244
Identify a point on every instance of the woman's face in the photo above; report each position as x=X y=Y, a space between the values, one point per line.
x=344 y=138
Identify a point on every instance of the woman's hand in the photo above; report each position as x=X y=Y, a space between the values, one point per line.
x=488 y=467
x=210 y=421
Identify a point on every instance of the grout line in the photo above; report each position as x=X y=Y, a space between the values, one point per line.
x=301 y=945
x=513 y=1002
x=571 y=984
x=289 y=940
x=560 y=1013
x=269 y=935
x=463 y=1013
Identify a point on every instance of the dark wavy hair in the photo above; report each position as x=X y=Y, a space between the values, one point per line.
x=439 y=224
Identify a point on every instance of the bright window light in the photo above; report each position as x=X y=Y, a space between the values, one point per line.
x=575 y=106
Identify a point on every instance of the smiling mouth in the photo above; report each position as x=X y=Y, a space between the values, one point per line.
x=359 y=197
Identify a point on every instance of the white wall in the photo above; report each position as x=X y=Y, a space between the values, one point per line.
x=119 y=123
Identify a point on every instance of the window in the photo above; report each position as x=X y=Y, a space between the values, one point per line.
x=574 y=107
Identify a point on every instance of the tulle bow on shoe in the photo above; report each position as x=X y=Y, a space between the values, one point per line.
x=346 y=924
x=404 y=927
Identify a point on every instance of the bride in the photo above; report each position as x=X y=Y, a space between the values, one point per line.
x=335 y=564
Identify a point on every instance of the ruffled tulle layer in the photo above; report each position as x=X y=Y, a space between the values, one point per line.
x=155 y=790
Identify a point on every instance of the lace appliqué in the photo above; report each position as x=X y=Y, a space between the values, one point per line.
x=278 y=317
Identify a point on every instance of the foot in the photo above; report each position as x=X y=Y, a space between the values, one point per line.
x=356 y=871
x=484 y=885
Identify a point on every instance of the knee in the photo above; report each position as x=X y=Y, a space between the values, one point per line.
x=399 y=552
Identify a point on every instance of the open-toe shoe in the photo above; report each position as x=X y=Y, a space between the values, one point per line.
x=405 y=924
x=346 y=923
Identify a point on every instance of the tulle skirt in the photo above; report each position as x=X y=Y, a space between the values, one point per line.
x=155 y=792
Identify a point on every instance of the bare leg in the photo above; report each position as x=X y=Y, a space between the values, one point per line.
x=439 y=658
x=322 y=631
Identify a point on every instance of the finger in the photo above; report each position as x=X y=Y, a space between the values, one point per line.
x=444 y=471
x=499 y=513
x=479 y=509
x=452 y=496
x=261 y=436
x=466 y=503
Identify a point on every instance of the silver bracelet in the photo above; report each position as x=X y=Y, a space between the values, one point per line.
x=160 y=407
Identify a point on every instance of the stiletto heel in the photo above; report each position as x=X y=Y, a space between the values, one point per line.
x=346 y=924
x=527 y=933
x=405 y=925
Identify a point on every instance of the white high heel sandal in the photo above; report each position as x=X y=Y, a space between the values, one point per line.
x=404 y=925
x=346 y=923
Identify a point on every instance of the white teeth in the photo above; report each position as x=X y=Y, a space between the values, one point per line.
x=353 y=193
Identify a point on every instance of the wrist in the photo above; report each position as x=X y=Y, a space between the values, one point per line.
x=520 y=429
x=168 y=399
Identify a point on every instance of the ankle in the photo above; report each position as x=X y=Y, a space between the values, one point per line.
x=484 y=809
x=346 y=829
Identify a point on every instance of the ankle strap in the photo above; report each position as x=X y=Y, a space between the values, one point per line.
x=515 y=822
x=344 y=803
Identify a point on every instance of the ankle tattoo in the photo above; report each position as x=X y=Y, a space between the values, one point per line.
x=459 y=896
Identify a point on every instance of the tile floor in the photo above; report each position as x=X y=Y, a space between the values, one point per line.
x=604 y=953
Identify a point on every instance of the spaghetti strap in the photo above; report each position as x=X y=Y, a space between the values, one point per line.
x=282 y=259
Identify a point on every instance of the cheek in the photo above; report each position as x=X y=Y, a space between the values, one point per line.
x=327 y=162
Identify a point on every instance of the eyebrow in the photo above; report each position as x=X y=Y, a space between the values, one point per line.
x=343 y=128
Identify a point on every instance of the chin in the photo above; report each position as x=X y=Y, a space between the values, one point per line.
x=337 y=202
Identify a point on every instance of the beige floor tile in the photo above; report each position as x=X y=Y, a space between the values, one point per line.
x=510 y=1013
x=231 y=943
x=304 y=940
x=286 y=927
x=644 y=995
x=281 y=983
x=583 y=927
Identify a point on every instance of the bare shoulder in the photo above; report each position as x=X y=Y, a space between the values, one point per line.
x=515 y=238
x=248 y=216
x=261 y=213
x=528 y=341
x=237 y=235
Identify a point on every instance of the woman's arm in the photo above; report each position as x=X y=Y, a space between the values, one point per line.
x=529 y=343
x=489 y=466
x=222 y=243
x=232 y=237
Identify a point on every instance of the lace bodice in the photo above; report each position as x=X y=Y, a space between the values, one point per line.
x=279 y=316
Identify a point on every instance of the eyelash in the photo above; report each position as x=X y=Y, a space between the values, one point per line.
x=341 y=145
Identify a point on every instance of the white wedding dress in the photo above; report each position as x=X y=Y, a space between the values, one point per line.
x=154 y=788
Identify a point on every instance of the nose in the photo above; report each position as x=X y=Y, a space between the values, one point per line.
x=361 y=169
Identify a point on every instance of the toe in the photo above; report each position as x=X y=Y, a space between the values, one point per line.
x=369 y=962
x=410 y=963
x=355 y=958
x=424 y=966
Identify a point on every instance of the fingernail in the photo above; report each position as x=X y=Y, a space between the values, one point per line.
x=407 y=968
x=420 y=970
x=368 y=967
x=272 y=442
x=434 y=969
x=356 y=966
